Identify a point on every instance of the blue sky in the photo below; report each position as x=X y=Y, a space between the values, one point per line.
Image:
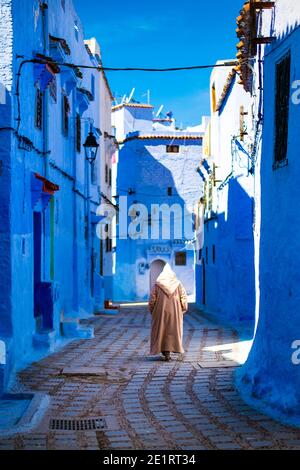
x=161 y=34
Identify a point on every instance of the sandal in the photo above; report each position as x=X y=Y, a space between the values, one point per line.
x=167 y=355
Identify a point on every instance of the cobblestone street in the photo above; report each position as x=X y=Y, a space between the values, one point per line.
x=188 y=403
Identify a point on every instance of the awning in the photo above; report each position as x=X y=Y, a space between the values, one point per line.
x=48 y=186
x=41 y=191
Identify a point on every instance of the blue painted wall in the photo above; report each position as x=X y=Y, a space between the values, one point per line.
x=67 y=236
x=226 y=279
x=270 y=380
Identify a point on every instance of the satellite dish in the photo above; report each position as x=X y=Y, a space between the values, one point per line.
x=131 y=95
x=160 y=110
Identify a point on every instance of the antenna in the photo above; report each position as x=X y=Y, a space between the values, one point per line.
x=123 y=99
x=131 y=95
x=160 y=110
x=148 y=96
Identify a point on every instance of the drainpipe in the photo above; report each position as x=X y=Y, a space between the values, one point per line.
x=75 y=232
x=88 y=221
x=45 y=27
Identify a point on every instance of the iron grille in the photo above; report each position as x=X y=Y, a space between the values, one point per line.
x=93 y=424
x=38 y=109
x=65 y=115
x=283 y=72
x=78 y=133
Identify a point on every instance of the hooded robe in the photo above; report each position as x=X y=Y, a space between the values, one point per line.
x=167 y=304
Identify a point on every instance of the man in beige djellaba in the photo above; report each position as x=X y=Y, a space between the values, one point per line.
x=167 y=304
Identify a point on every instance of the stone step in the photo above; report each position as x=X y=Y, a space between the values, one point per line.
x=44 y=339
x=71 y=328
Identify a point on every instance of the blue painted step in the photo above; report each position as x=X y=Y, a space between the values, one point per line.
x=71 y=328
x=44 y=339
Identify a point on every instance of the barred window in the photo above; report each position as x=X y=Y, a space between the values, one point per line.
x=180 y=258
x=53 y=89
x=282 y=101
x=108 y=241
x=78 y=133
x=65 y=115
x=38 y=118
x=243 y=127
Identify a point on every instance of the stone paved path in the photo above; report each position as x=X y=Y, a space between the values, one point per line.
x=147 y=403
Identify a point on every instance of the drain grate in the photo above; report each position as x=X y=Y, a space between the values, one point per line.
x=93 y=424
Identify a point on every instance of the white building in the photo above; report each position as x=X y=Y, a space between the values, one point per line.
x=156 y=165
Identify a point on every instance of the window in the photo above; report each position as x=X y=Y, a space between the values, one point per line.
x=38 y=118
x=282 y=101
x=214 y=254
x=172 y=148
x=93 y=86
x=108 y=241
x=65 y=115
x=53 y=89
x=170 y=191
x=180 y=258
x=78 y=133
x=109 y=177
x=106 y=173
x=150 y=219
x=213 y=98
x=101 y=257
x=63 y=4
x=243 y=130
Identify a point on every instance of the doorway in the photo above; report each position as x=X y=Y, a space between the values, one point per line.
x=156 y=268
x=37 y=266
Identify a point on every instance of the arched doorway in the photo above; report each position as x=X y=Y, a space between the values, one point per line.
x=156 y=268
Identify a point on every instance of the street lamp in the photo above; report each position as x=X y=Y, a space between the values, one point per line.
x=91 y=147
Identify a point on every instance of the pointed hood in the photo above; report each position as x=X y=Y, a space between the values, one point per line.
x=167 y=281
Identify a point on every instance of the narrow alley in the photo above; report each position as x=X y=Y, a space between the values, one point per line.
x=136 y=401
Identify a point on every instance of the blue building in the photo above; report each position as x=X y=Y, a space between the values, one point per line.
x=156 y=178
x=225 y=267
x=270 y=379
x=50 y=184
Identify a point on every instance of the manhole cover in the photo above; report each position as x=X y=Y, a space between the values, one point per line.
x=78 y=424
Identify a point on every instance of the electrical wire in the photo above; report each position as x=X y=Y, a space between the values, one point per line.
x=126 y=69
x=167 y=69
